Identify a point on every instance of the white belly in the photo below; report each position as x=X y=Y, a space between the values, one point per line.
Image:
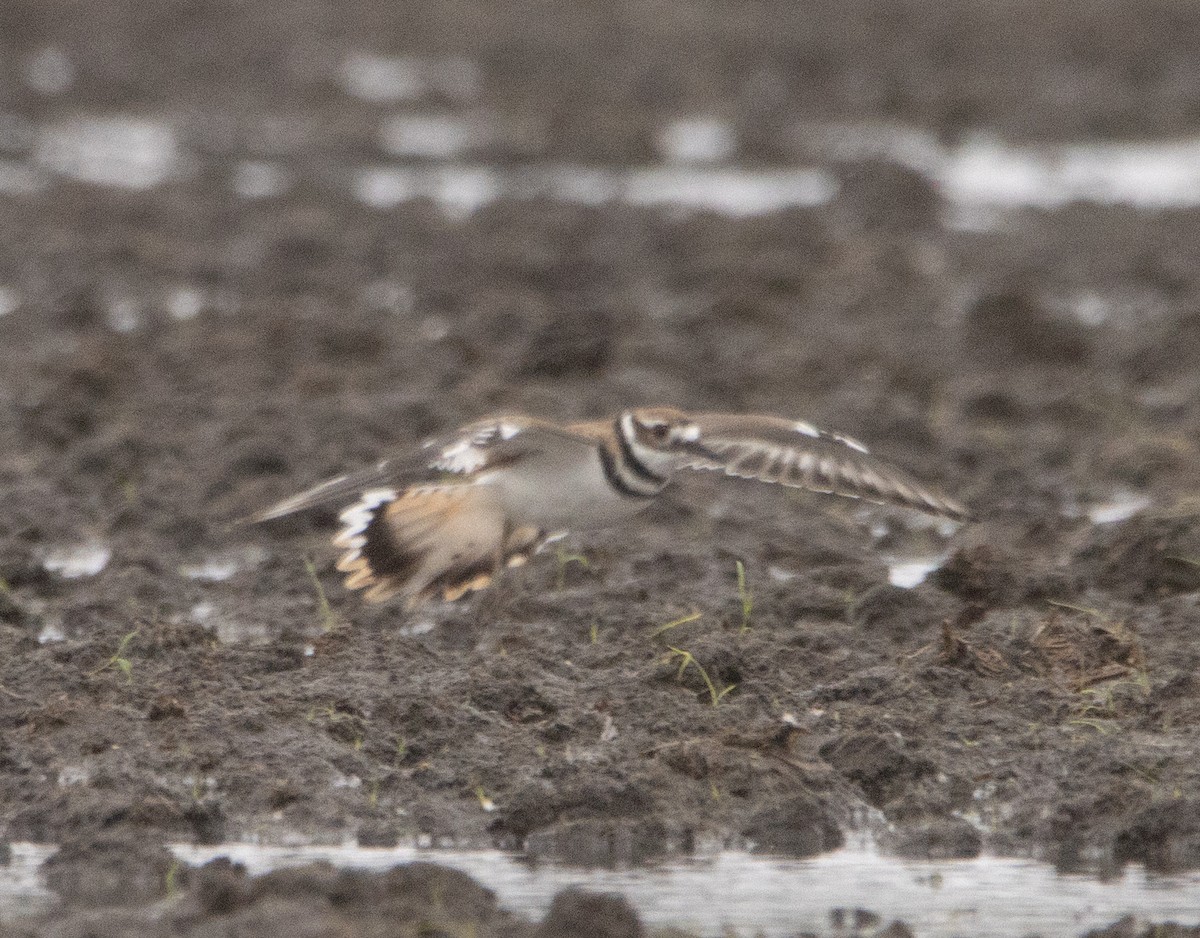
x=556 y=495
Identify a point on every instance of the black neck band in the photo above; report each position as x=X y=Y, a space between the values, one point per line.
x=639 y=468
x=608 y=464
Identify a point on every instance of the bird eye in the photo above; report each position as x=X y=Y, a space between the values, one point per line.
x=659 y=430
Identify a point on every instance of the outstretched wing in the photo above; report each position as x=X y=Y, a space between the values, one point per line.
x=797 y=454
x=440 y=540
x=464 y=454
x=338 y=490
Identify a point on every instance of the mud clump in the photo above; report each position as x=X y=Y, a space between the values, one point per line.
x=799 y=827
x=1145 y=557
x=316 y=899
x=1013 y=327
x=941 y=839
x=883 y=772
x=113 y=869
x=1165 y=837
x=597 y=843
x=1132 y=927
x=576 y=913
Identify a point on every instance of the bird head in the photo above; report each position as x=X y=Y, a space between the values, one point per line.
x=658 y=436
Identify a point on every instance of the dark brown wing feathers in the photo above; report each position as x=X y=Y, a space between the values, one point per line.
x=478 y=446
x=428 y=541
x=411 y=533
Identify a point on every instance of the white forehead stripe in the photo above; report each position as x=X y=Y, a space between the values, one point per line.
x=806 y=428
x=508 y=431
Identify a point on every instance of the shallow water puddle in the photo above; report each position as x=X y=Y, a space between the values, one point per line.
x=223 y=565
x=461 y=189
x=10 y=300
x=379 y=79
x=127 y=152
x=22 y=891
x=986 y=898
x=697 y=140
x=980 y=175
x=986 y=170
x=76 y=561
x=51 y=632
x=913 y=545
x=260 y=179
x=910 y=572
x=1121 y=507
x=432 y=136
x=728 y=191
x=229 y=629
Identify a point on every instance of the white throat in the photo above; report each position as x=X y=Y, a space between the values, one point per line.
x=660 y=463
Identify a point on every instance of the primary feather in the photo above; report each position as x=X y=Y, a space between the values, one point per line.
x=797 y=454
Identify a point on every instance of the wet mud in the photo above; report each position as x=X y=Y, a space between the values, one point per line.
x=178 y=356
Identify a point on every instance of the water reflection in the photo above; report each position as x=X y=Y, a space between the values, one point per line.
x=980 y=178
x=463 y=189
x=260 y=179
x=1121 y=507
x=128 y=152
x=383 y=78
x=910 y=572
x=984 y=170
x=430 y=136
x=10 y=300
x=48 y=71
x=987 y=898
x=697 y=140
x=75 y=561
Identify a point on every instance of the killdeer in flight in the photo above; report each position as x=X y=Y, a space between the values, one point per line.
x=443 y=519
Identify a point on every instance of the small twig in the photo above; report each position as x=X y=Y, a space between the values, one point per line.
x=329 y=620
x=560 y=581
x=1084 y=609
x=682 y=620
x=118 y=660
x=745 y=596
x=686 y=658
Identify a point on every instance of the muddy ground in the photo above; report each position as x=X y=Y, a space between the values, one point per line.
x=1038 y=694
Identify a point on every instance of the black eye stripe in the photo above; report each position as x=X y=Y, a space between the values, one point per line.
x=630 y=458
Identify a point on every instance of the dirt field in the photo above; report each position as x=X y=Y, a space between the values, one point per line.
x=1037 y=694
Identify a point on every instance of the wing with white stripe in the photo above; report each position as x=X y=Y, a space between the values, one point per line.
x=798 y=454
x=465 y=453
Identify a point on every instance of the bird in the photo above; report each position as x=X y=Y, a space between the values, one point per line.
x=443 y=519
